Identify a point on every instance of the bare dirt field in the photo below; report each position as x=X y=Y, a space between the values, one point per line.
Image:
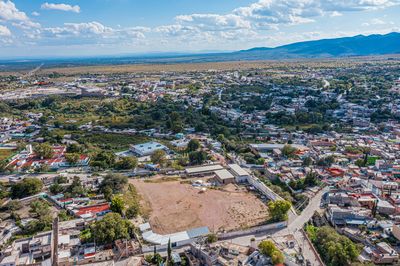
x=174 y=207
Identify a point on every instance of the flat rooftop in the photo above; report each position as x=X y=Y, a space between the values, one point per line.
x=203 y=169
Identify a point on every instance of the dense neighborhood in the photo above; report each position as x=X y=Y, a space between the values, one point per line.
x=286 y=164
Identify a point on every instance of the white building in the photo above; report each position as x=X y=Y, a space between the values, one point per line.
x=147 y=148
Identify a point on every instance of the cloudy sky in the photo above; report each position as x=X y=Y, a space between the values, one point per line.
x=35 y=28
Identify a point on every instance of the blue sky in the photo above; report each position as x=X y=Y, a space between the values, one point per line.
x=35 y=28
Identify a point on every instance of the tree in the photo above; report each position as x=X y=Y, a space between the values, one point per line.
x=269 y=249
x=289 y=151
x=74 y=148
x=116 y=182
x=311 y=179
x=277 y=257
x=279 y=209
x=61 y=179
x=3 y=165
x=112 y=227
x=103 y=160
x=197 y=157
x=334 y=248
x=266 y=247
x=127 y=163
x=14 y=205
x=72 y=158
x=64 y=216
x=193 y=145
x=25 y=188
x=158 y=157
x=56 y=188
x=117 y=204
x=76 y=188
x=108 y=193
x=211 y=238
x=132 y=211
x=169 y=253
x=39 y=208
x=327 y=161
x=307 y=161
x=44 y=150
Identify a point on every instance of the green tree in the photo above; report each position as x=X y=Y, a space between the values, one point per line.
x=279 y=209
x=39 y=208
x=158 y=157
x=211 y=238
x=64 y=216
x=169 y=253
x=108 y=193
x=116 y=182
x=44 y=150
x=311 y=179
x=197 y=157
x=75 y=148
x=103 y=160
x=112 y=227
x=26 y=188
x=76 y=188
x=56 y=188
x=334 y=248
x=61 y=179
x=307 y=161
x=269 y=249
x=72 y=158
x=127 y=163
x=117 y=205
x=289 y=151
x=193 y=145
x=132 y=211
x=14 y=205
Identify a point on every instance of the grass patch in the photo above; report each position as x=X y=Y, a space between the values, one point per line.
x=163 y=179
x=113 y=141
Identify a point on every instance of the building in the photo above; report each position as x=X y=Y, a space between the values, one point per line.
x=240 y=174
x=203 y=170
x=147 y=148
x=224 y=177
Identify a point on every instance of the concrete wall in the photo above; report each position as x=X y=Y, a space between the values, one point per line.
x=251 y=231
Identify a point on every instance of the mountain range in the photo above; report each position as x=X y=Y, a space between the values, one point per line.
x=360 y=45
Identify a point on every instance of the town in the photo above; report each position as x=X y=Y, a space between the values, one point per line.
x=267 y=163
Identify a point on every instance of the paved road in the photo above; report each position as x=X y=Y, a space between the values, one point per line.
x=294 y=225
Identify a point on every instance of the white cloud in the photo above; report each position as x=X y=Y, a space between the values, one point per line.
x=376 y=22
x=36 y=14
x=213 y=22
x=4 y=31
x=61 y=7
x=91 y=33
x=8 y=11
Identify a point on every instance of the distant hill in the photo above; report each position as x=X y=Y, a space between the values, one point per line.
x=359 y=45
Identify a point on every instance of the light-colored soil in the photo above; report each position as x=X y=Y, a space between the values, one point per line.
x=173 y=207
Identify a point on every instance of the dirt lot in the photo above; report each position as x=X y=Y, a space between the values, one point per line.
x=174 y=207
